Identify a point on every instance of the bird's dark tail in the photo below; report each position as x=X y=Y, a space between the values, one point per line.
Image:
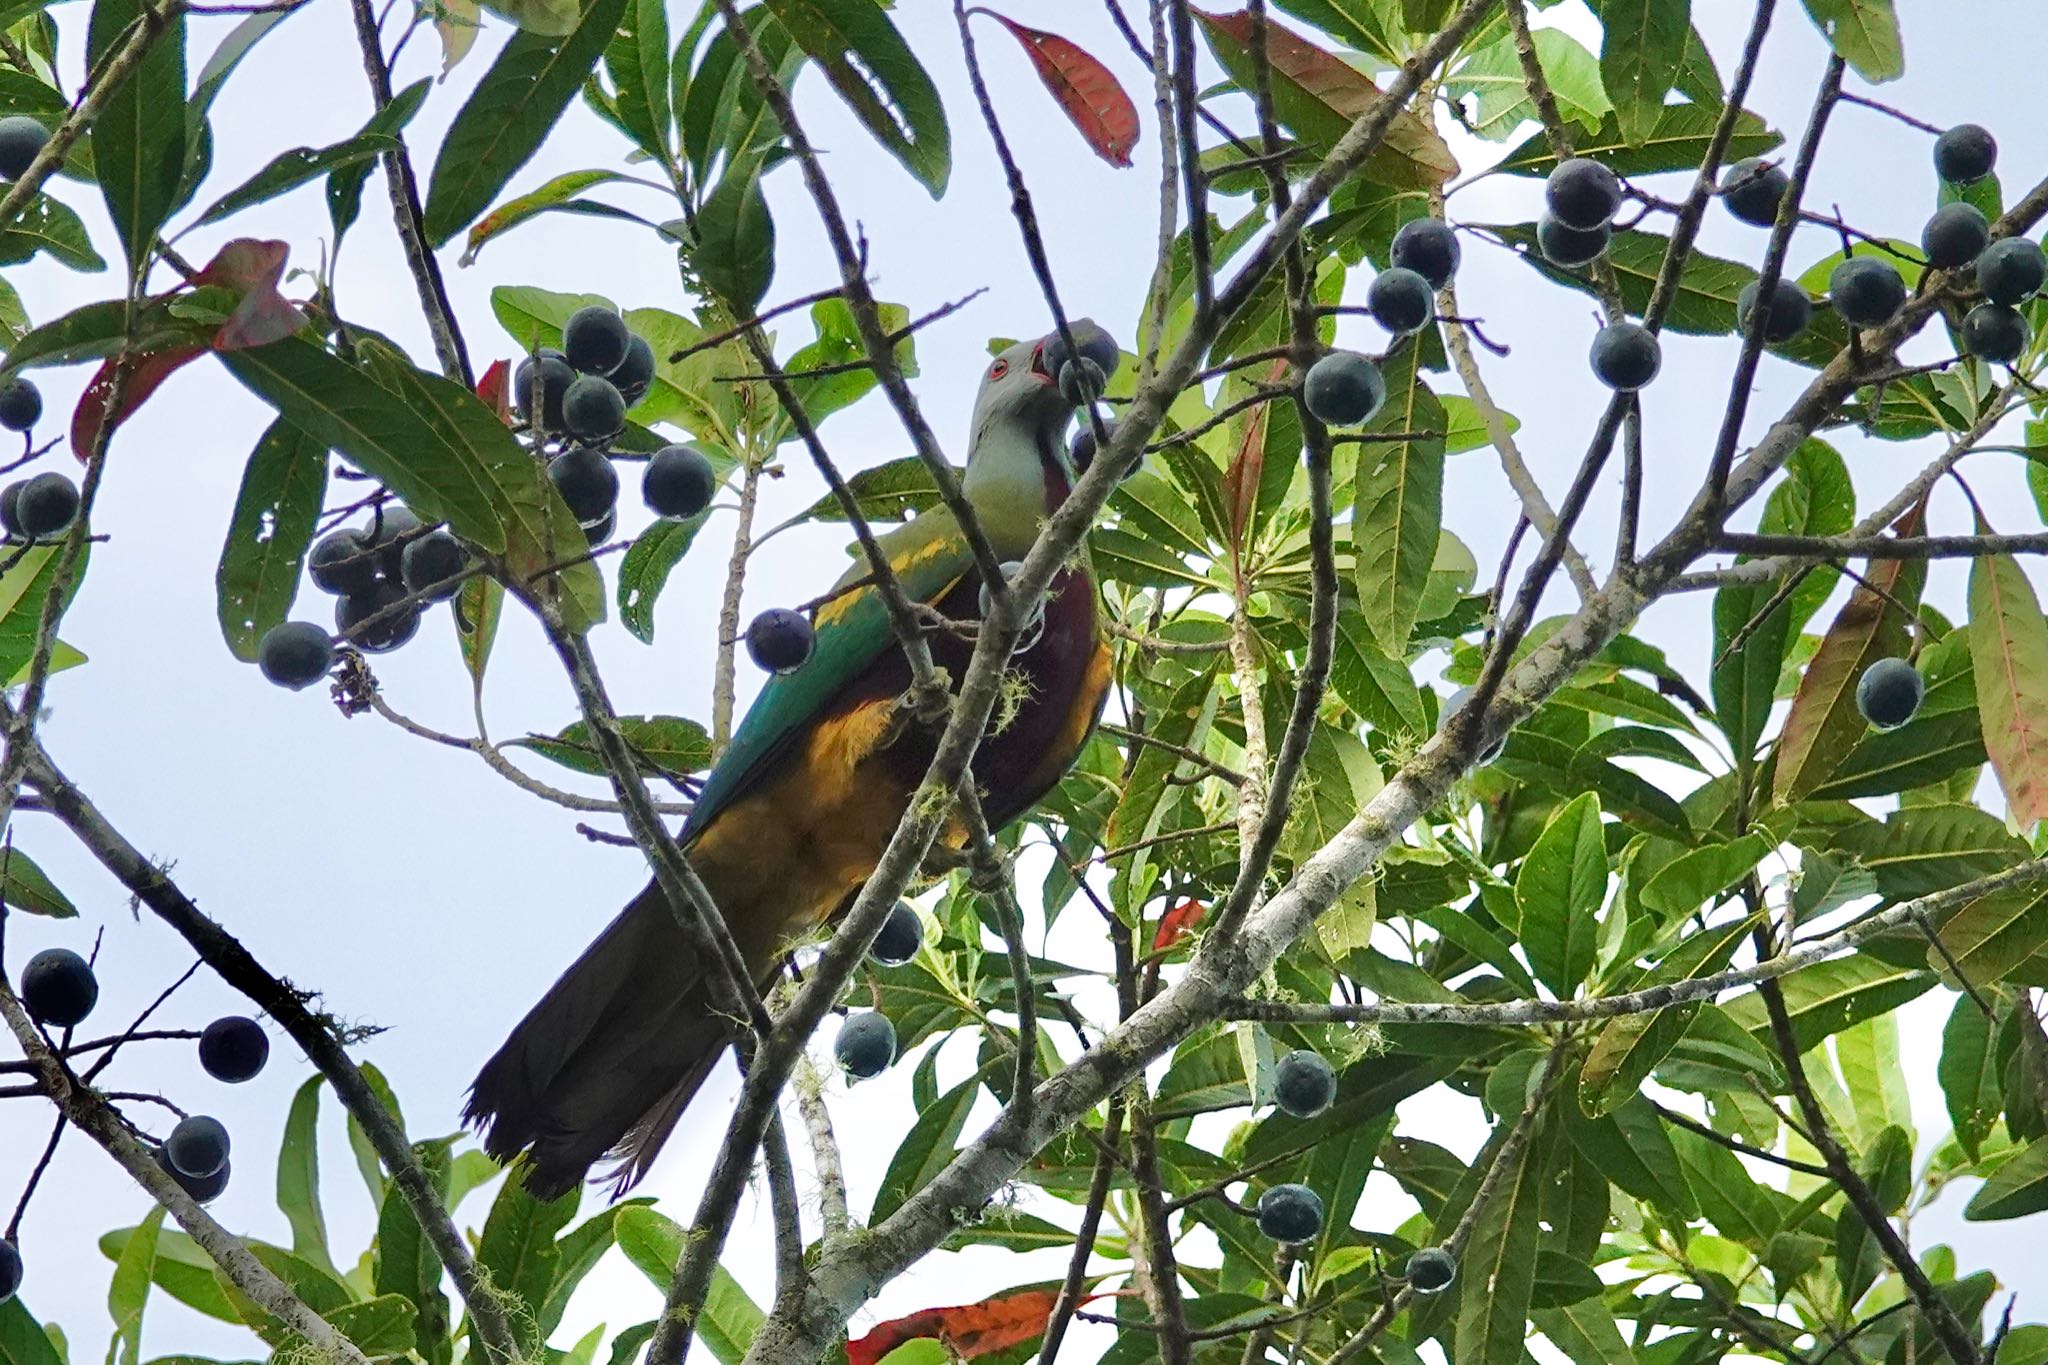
x=607 y=1060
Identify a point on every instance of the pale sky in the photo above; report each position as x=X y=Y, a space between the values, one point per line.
x=419 y=892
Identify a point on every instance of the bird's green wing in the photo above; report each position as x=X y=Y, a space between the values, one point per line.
x=928 y=555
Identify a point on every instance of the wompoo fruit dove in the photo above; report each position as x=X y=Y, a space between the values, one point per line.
x=1343 y=389
x=1752 y=189
x=586 y=480
x=899 y=938
x=1428 y=247
x=295 y=654
x=1625 y=356
x=866 y=1045
x=1965 y=154
x=1583 y=194
x=1786 y=315
x=595 y=339
x=779 y=640
x=1954 y=236
x=21 y=404
x=679 y=482
x=1889 y=692
x=1290 y=1213
x=1401 y=300
x=1867 y=292
x=58 y=987
x=1569 y=246
x=1304 y=1084
x=233 y=1048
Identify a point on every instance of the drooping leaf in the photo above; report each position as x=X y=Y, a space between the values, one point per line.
x=298 y=1176
x=1559 y=890
x=968 y=1332
x=637 y=60
x=302 y=165
x=22 y=1339
x=1628 y=1048
x=1865 y=33
x=345 y=184
x=1678 y=142
x=1496 y=96
x=734 y=251
x=1319 y=96
x=1086 y=90
x=1641 y=46
x=1398 y=509
x=879 y=77
x=48 y=225
x=1497 y=1272
x=2009 y=654
x=128 y=1293
x=405 y=1263
x=25 y=887
x=645 y=569
x=1829 y=996
x=139 y=137
x=1969 y=1075
x=24 y=587
x=518 y=1247
x=927 y=1147
x=556 y=193
x=509 y=115
x=2017 y=1188
x=654 y=1243
x=669 y=744
x=275 y=513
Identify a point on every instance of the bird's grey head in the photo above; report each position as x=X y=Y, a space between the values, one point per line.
x=1019 y=394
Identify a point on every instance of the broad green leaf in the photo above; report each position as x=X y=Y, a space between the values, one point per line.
x=23 y=886
x=734 y=250
x=1371 y=682
x=1491 y=79
x=1865 y=33
x=1829 y=996
x=886 y=492
x=404 y=1263
x=536 y=16
x=879 y=77
x=927 y=1147
x=302 y=165
x=1922 y=849
x=518 y=1247
x=283 y=486
x=139 y=140
x=1969 y=1075
x=1586 y=1332
x=637 y=61
x=1011 y=1230
x=345 y=184
x=180 y=1269
x=479 y=606
x=2017 y=1188
x=509 y=115
x=1398 y=511
x=436 y=445
x=1992 y=936
x=2009 y=653
x=1868 y=1055
x=556 y=193
x=1632 y=1147
x=382 y=1326
x=129 y=1291
x=1678 y=142
x=298 y=1176
x=670 y=745
x=1558 y=891
x=1628 y=1048
x=1824 y=724
x=1497 y=1271
x=97 y=330
x=580 y=1250
x=49 y=225
x=368 y=1164
x=24 y=587
x=645 y=569
x=654 y=1244
x=1682 y=885
x=1641 y=46
x=22 y=1339
x=1741 y=1209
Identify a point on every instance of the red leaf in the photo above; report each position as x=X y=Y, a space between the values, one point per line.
x=151 y=370
x=1241 y=480
x=1177 y=923
x=970 y=1331
x=1084 y=88
x=495 y=388
x=263 y=315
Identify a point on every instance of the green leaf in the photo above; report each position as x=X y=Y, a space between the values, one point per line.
x=129 y=1291
x=518 y=1247
x=47 y=225
x=298 y=1176
x=734 y=251
x=1827 y=997
x=2017 y=1188
x=98 y=330
x=1865 y=33
x=345 y=185
x=405 y=1263
x=654 y=1244
x=479 y=606
x=1701 y=875
x=2009 y=653
x=644 y=570
x=382 y=1326
x=1586 y=1332
x=1642 y=44
x=1707 y=288
x=299 y=166
x=1628 y=1048
x=24 y=587
x=671 y=745
x=283 y=487
x=580 y=1250
x=888 y=492
x=1969 y=1075
x=881 y=80
x=1559 y=890
x=557 y=193
x=1498 y=1267
x=927 y=1147
x=213 y=74
x=637 y=60
x=23 y=886
x=368 y=1164
x=1993 y=935
x=1373 y=683
x=1678 y=142
x=509 y=115
x=1632 y=1147
x=1491 y=79
x=22 y=1339
x=437 y=446
x=1923 y=849
x=139 y=139
x=180 y=1269
x=1398 y=510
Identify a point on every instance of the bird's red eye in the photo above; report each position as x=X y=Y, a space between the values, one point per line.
x=999 y=369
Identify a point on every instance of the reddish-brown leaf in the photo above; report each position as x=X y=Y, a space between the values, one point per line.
x=1248 y=466
x=264 y=315
x=1084 y=88
x=1320 y=94
x=495 y=388
x=1824 y=724
x=970 y=1331
x=1177 y=923
x=2009 y=648
x=151 y=370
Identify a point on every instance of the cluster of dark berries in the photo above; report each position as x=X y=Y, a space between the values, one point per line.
x=1580 y=201
x=383 y=574
x=1082 y=373
x=21 y=139
x=1345 y=388
x=38 y=508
